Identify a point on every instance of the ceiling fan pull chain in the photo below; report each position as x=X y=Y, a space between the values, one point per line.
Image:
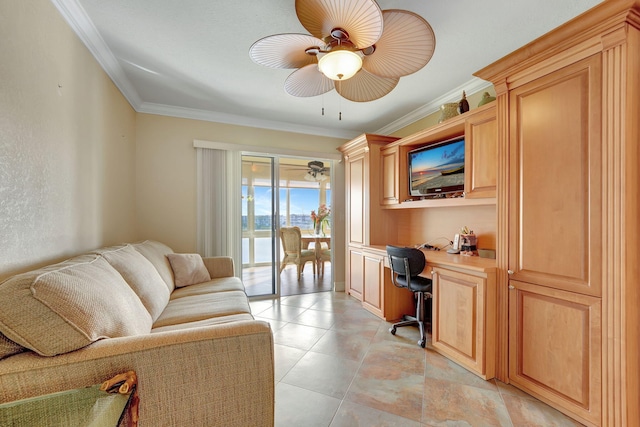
x=340 y=101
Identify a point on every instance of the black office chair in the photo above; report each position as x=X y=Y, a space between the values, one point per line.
x=406 y=265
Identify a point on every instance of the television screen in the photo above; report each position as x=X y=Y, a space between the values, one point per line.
x=437 y=168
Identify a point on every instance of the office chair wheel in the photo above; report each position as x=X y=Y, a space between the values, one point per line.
x=422 y=343
x=392 y=330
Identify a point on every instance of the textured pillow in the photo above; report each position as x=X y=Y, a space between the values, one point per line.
x=9 y=348
x=188 y=269
x=142 y=276
x=68 y=306
x=156 y=253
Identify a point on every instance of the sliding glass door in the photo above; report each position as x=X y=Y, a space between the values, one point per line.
x=258 y=225
x=279 y=192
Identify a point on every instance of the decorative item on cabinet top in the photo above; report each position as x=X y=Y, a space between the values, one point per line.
x=486 y=98
x=448 y=110
x=463 y=104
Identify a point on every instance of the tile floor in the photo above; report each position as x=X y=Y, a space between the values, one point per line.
x=258 y=280
x=337 y=365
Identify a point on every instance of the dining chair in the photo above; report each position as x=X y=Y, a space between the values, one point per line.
x=323 y=254
x=294 y=253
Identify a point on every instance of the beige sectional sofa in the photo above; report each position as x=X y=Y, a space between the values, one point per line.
x=183 y=323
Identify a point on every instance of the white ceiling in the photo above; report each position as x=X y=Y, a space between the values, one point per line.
x=189 y=58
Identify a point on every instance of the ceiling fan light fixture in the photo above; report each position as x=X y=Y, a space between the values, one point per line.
x=340 y=64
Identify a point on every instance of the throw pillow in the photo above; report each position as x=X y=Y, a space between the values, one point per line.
x=188 y=269
x=142 y=276
x=67 y=306
x=9 y=348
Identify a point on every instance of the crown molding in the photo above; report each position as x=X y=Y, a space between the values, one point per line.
x=233 y=119
x=474 y=85
x=77 y=18
x=75 y=15
x=80 y=23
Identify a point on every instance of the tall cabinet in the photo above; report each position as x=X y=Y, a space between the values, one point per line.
x=365 y=218
x=568 y=186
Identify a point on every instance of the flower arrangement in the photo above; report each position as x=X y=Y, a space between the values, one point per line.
x=321 y=217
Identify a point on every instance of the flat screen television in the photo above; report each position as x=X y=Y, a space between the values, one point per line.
x=437 y=168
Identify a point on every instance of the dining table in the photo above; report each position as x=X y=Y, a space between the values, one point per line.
x=317 y=239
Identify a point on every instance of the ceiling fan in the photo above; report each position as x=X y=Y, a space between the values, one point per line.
x=354 y=47
x=316 y=172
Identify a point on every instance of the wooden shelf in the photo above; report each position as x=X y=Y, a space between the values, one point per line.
x=442 y=203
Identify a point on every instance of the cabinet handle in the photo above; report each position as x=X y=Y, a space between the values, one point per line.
x=511 y=287
x=509 y=272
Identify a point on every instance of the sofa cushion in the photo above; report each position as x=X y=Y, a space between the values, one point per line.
x=188 y=269
x=205 y=322
x=200 y=307
x=156 y=253
x=9 y=348
x=67 y=306
x=215 y=285
x=142 y=276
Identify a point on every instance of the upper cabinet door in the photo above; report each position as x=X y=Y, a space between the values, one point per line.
x=481 y=154
x=555 y=179
x=390 y=176
x=356 y=199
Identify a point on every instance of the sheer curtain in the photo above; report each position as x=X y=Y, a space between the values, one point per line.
x=218 y=187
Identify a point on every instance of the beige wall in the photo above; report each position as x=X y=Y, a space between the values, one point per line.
x=166 y=175
x=80 y=169
x=67 y=143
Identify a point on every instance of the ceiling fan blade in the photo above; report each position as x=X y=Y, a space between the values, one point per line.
x=285 y=50
x=307 y=81
x=364 y=86
x=407 y=44
x=361 y=19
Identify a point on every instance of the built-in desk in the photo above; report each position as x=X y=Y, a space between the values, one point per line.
x=463 y=324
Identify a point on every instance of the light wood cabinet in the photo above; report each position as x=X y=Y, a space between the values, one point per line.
x=355 y=273
x=481 y=154
x=391 y=177
x=357 y=189
x=567 y=190
x=554 y=347
x=373 y=298
x=555 y=184
x=365 y=222
x=370 y=282
x=463 y=319
x=567 y=182
x=480 y=130
x=554 y=337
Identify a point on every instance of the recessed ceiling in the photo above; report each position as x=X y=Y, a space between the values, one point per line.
x=190 y=58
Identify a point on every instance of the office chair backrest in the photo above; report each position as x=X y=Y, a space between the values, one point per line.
x=402 y=258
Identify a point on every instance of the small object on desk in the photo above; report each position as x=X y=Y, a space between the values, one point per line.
x=453 y=251
x=469 y=243
x=487 y=253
